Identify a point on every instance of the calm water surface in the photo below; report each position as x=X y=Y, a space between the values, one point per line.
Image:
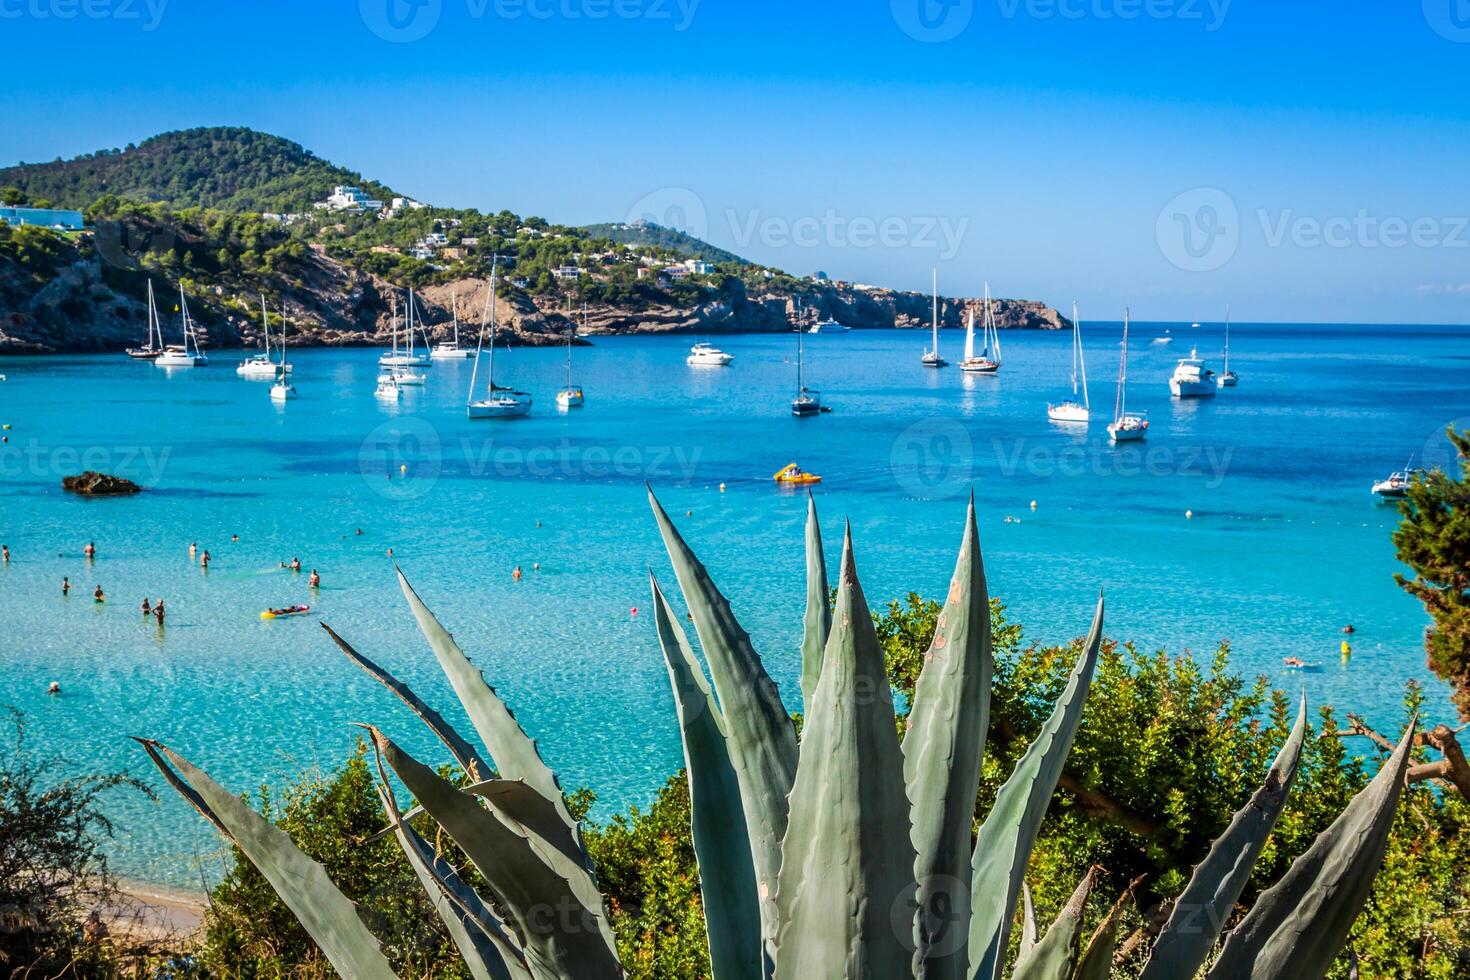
x=1284 y=548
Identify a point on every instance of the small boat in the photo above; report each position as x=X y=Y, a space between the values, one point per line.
x=283 y=390
x=499 y=402
x=188 y=353
x=285 y=611
x=1396 y=487
x=707 y=355
x=152 y=348
x=1126 y=426
x=451 y=351
x=1227 y=378
x=260 y=365
x=405 y=377
x=388 y=389
x=1165 y=339
x=408 y=358
x=828 y=325
x=572 y=395
x=1191 y=379
x=793 y=475
x=989 y=360
x=1069 y=409
x=807 y=402
x=931 y=357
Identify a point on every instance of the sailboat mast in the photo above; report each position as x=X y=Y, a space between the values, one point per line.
x=408 y=323
x=1227 y=339
x=800 y=386
x=1081 y=356
x=490 y=364
x=935 y=313
x=1121 y=405
x=480 y=346
x=985 y=328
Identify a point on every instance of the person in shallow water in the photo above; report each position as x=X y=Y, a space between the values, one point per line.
x=147 y=609
x=90 y=551
x=315 y=581
x=158 y=611
x=98 y=596
x=295 y=564
x=65 y=586
x=5 y=553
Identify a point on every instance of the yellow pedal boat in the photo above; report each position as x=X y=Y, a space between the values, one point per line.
x=793 y=475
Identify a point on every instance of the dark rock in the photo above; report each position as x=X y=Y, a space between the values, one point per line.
x=94 y=484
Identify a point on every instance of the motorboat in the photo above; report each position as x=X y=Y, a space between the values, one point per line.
x=793 y=475
x=828 y=325
x=708 y=355
x=1396 y=486
x=1191 y=379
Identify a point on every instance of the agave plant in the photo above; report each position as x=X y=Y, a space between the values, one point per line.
x=846 y=852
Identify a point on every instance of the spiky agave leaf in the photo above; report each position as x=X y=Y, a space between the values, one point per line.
x=328 y=916
x=843 y=897
x=1298 y=925
x=758 y=729
x=1029 y=932
x=942 y=753
x=563 y=939
x=1097 y=960
x=1203 y=908
x=1003 y=846
x=817 y=622
x=1055 y=956
x=721 y=842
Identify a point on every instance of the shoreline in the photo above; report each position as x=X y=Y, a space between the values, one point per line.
x=157 y=912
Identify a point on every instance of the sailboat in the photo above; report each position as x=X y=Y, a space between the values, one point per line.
x=989 y=360
x=572 y=395
x=260 y=365
x=186 y=354
x=807 y=402
x=150 y=350
x=499 y=403
x=1126 y=426
x=283 y=389
x=1069 y=410
x=451 y=351
x=931 y=357
x=1227 y=378
x=397 y=358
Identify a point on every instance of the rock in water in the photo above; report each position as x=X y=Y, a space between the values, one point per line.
x=95 y=484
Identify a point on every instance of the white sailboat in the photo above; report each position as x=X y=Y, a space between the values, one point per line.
x=931 y=357
x=397 y=358
x=1069 y=409
x=807 y=401
x=260 y=366
x=283 y=389
x=1126 y=426
x=988 y=362
x=451 y=351
x=498 y=403
x=1227 y=378
x=188 y=353
x=572 y=395
x=151 y=348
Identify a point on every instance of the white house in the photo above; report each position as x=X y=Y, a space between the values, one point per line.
x=567 y=272
x=351 y=199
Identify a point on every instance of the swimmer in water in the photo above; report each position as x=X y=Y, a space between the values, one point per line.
x=5 y=553
x=204 y=560
x=98 y=596
x=295 y=564
x=147 y=609
x=516 y=574
x=158 y=611
x=315 y=581
x=65 y=586
x=193 y=550
x=53 y=688
x=90 y=551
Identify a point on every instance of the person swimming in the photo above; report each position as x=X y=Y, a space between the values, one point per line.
x=516 y=574
x=98 y=596
x=295 y=564
x=90 y=551
x=65 y=586
x=5 y=553
x=315 y=581
x=204 y=560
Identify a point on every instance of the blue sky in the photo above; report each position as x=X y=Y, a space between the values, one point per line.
x=1297 y=160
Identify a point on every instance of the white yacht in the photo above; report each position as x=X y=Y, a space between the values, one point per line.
x=1396 y=487
x=1191 y=379
x=153 y=347
x=1070 y=409
x=1126 y=426
x=572 y=396
x=499 y=402
x=1227 y=378
x=408 y=358
x=707 y=355
x=260 y=366
x=283 y=389
x=828 y=325
x=188 y=353
x=988 y=361
x=388 y=389
x=451 y=351
x=931 y=356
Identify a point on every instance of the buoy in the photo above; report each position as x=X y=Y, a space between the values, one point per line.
x=403 y=469
x=1033 y=505
x=722 y=488
x=1347 y=648
x=635 y=611
x=689 y=513
x=1189 y=515
x=535 y=566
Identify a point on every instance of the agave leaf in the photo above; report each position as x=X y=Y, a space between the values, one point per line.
x=1003 y=846
x=1203 y=908
x=562 y=938
x=469 y=760
x=844 y=897
x=327 y=915
x=758 y=730
x=1055 y=956
x=489 y=951
x=1298 y=926
x=1097 y=960
x=942 y=754
x=510 y=748
x=817 y=622
x=721 y=842
x=1029 y=932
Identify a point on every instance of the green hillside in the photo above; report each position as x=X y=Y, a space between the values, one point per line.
x=226 y=168
x=648 y=233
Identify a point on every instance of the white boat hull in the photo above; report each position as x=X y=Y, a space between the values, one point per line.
x=933 y=361
x=573 y=398
x=450 y=354
x=1126 y=435
x=181 y=361
x=404 y=378
x=281 y=393
x=1068 y=412
x=978 y=365
x=1204 y=388
x=265 y=370
x=404 y=360
x=1227 y=380
x=499 y=408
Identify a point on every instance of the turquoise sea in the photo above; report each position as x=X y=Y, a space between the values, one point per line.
x=1285 y=545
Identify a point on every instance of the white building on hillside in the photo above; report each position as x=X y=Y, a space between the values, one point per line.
x=350 y=199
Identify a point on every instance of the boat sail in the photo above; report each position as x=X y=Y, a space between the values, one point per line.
x=187 y=354
x=1227 y=378
x=931 y=357
x=150 y=349
x=499 y=402
x=989 y=360
x=1070 y=410
x=572 y=395
x=1126 y=426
